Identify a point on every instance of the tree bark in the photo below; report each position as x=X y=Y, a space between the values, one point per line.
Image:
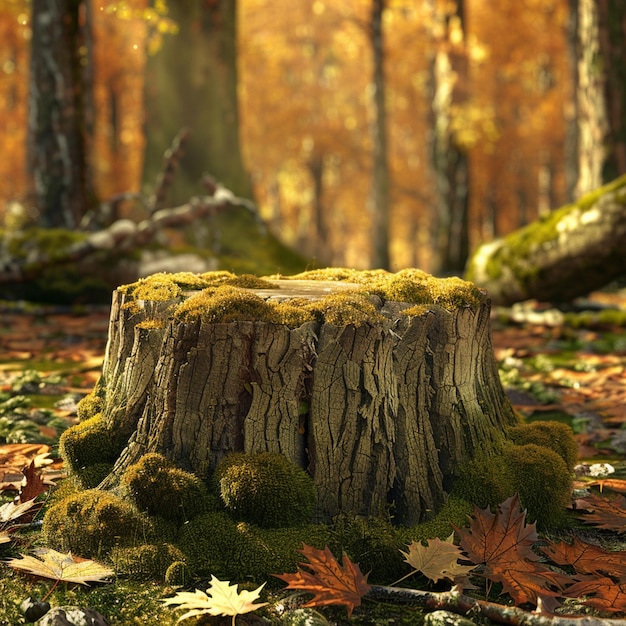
x=381 y=414
x=380 y=167
x=60 y=113
x=572 y=251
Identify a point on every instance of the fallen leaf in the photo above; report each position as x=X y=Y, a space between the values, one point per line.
x=221 y=598
x=604 y=513
x=329 y=582
x=437 y=560
x=502 y=542
x=64 y=567
x=607 y=594
x=33 y=485
x=11 y=511
x=586 y=558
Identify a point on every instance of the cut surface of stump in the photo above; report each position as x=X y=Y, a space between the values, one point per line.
x=380 y=385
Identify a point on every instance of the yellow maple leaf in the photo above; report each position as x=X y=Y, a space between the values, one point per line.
x=438 y=559
x=62 y=567
x=221 y=598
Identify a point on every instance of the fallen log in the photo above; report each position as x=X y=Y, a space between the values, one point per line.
x=566 y=254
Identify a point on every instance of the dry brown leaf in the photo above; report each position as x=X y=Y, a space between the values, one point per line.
x=503 y=542
x=603 y=513
x=329 y=582
x=586 y=558
x=64 y=567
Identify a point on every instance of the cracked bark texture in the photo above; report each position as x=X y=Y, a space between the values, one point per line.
x=381 y=414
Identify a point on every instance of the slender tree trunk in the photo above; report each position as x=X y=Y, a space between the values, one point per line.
x=450 y=161
x=380 y=174
x=612 y=40
x=192 y=83
x=590 y=98
x=60 y=115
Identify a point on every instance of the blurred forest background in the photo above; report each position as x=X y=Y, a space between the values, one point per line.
x=370 y=133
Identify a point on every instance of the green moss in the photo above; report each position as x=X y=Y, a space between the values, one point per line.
x=212 y=545
x=158 y=487
x=538 y=474
x=409 y=285
x=453 y=513
x=225 y=304
x=91 y=523
x=373 y=542
x=88 y=443
x=554 y=435
x=542 y=480
x=90 y=405
x=275 y=550
x=249 y=281
x=341 y=309
x=178 y=574
x=92 y=475
x=265 y=489
x=147 y=561
x=484 y=481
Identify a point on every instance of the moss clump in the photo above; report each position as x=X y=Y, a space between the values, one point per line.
x=484 y=481
x=158 y=487
x=248 y=281
x=542 y=480
x=163 y=287
x=549 y=434
x=538 y=474
x=265 y=489
x=92 y=475
x=91 y=523
x=275 y=550
x=147 y=561
x=90 y=405
x=453 y=513
x=212 y=545
x=88 y=443
x=177 y=574
x=373 y=542
x=225 y=304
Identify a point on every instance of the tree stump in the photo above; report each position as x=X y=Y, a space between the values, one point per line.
x=380 y=385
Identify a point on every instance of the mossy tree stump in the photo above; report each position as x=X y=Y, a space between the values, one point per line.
x=380 y=385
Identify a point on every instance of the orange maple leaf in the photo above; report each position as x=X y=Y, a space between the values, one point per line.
x=502 y=542
x=586 y=558
x=330 y=582
x=607 y=594
x=604 y=513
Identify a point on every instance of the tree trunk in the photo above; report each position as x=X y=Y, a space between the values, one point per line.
x=380 y=167
x=572 y=251
x=60 y=112
x=192 y=83
x=381 y=412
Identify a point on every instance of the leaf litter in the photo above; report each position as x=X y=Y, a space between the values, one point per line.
x=589 y=386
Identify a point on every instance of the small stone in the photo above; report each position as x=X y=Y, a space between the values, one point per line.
x=73 y=616
x=446 y=618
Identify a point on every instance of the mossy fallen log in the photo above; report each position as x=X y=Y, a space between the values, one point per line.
x=566 y=254
x=379 y=385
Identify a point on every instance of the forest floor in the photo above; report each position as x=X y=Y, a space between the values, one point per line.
x=572 y=371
